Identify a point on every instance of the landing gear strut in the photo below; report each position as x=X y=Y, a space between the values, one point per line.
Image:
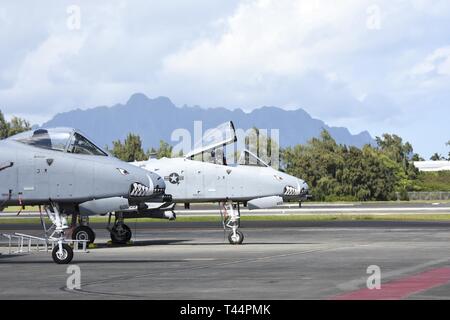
x=120 y=232
x=231 y=216
x=62 y=253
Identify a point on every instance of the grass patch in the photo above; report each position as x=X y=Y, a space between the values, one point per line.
x=17 y=209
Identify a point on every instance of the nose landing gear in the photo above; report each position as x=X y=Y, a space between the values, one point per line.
x=236 y=237
x=62 y=253
x=231 y=217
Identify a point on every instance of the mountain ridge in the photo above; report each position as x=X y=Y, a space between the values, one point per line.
x=155 y=119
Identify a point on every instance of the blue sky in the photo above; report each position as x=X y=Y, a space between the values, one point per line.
x=381 y=66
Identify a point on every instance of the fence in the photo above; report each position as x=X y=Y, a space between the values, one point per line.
x=427 y=196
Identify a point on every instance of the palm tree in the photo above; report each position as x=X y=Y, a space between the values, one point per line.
x=436 y=157
x=448 y=144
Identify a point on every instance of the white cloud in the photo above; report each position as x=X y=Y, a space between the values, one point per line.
x=270 y=48
x=282 y=37
x=320 y=55
x=437 y=64
x=42 y=65
x=48 y=68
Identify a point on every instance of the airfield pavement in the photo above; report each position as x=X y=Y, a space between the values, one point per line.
x=278 y=260
x=381 y=208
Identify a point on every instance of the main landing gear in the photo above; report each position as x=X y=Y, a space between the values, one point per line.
x=231 y=217
x=120 y=232
x=82 y=231
x=62 y=253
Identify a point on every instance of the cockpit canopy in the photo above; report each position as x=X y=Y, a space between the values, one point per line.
x=248 y=158
x=212 y=148
x=59 y=139
x=214 y=139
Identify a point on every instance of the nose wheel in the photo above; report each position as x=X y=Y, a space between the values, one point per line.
x=236 y=237
x=231 y=217
x=62 y=254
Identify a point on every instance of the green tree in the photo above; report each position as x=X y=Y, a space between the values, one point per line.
x=263 y=146
x=417 y=157
x=320 y=162
x=4 y=127
x=130 y=150
x=338 y=172
x=436 y=157
x=164 y=150
x=401 y=152
x=448 y=145
x=15 y=126
x=394 y=147
x=18 y=125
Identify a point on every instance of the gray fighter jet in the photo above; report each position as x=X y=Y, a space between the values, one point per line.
x=66 y=173
x=206 y=175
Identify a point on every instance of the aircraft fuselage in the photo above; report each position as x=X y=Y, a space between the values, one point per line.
x=195 y=181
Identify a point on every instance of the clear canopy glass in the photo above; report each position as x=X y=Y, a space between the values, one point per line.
x=248 y=158
x=59 y=139
x=214 y=138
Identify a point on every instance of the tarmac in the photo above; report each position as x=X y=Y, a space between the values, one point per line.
x=278 y=260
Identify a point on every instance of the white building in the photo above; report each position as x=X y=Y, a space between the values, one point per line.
x=432 y=165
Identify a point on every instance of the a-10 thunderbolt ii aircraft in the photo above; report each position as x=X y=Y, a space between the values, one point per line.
x=205 y=175
x=63 y=171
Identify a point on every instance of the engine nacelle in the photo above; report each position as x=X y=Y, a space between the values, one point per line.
x=102 y=206
x=264 y=203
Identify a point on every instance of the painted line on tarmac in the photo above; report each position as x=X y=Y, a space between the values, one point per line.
x=356 y=284
x=401 y=288
x=384 y=211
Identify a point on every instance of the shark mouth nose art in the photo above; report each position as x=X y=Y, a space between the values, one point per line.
x=140 y=190
x=291 y=191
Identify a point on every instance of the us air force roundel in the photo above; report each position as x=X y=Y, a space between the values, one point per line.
x=174 y=178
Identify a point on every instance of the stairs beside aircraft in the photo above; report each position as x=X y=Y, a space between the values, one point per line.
x=19 y=243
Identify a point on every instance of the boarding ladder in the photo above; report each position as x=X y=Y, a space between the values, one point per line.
x=19 y=243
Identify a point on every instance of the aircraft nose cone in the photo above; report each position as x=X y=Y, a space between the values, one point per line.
x=304 y=188
x=159 y=186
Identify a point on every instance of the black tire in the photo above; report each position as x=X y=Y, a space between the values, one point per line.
x=236 y=240
x=121 y=238
x=83 y=233
x=66 y=257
